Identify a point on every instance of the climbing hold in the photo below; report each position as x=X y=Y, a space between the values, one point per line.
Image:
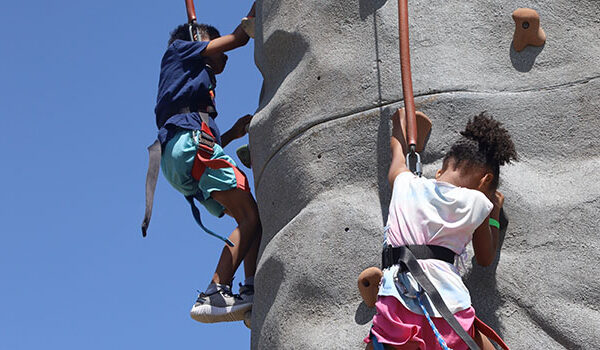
x=527 y=29
x=368 y=285
x=423 y=127
x=243 y=153
x=248 y=24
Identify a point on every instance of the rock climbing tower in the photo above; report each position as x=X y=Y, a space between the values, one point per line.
x=320 y=157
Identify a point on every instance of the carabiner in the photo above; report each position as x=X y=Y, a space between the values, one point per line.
x=418 y=168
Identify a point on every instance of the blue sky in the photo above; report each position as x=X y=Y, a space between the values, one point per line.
x=79 y=81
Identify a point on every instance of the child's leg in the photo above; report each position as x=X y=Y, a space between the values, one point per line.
x=241 y=205
x=250 y=260
x=483 y=342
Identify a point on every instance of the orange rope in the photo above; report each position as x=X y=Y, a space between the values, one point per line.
x=191 y=11
x=407 y=89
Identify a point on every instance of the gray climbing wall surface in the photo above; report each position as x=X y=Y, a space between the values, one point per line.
x=320 y=154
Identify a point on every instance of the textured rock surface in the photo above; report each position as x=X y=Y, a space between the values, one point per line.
x=320 y=155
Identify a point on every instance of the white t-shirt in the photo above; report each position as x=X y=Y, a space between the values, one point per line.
x=424 y=211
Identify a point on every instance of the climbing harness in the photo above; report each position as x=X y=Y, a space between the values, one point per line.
x=405 y=257
x=151 y=179
x=205 y=142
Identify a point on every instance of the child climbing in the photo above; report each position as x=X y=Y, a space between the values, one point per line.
x=194 y=163
x=434 y=220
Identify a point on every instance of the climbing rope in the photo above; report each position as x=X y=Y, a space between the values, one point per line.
x=433 y=327
x=191 y=14
x=407 y=90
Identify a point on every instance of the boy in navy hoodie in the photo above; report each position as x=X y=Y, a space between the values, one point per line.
x=186 y=98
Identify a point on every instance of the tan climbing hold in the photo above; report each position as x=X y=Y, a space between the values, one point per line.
x=423 y=127
x=248 y=24
x=527 y=29
x=368 y=285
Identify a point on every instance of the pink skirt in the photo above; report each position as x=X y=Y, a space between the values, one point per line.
x=396 y=325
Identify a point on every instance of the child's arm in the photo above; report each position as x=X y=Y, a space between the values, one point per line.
x=485 y=238
x=239 y=129
x=398 y=146
x=229 y=42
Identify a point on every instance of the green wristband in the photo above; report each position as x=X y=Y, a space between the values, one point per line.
x=494 y=223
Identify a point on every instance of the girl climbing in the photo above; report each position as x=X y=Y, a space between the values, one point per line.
x=435 y=219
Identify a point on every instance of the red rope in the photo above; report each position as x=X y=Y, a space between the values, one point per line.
x=191 y=11
x=407 y=88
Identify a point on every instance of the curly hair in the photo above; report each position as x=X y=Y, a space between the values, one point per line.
x=484 y=142
x=182 y=32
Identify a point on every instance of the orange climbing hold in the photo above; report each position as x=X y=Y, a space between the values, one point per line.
x=528 y=30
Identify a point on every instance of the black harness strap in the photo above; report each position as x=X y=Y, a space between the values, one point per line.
x=155 y=153
x=408 y=262
x=151 y=179
x=390 y=255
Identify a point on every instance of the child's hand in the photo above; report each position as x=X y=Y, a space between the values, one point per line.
x=240 y=128
x=498 y=201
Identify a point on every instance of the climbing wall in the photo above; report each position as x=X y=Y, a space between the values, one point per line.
x=320 y=156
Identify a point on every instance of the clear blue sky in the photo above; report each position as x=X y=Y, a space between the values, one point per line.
x=79 y=81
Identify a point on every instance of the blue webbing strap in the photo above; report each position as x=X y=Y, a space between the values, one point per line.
x=376 y=344
x=433 y=327
x=196 y=214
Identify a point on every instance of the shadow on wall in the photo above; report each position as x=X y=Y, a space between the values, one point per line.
x=364 y=314
x=523 y=61
x=368 y=7
x=384 y=159
x=290 y=49
x=482 y=285
x=273 y=270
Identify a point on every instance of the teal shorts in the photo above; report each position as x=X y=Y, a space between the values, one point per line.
x=176 y=164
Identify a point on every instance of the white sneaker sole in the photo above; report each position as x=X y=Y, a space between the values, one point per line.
x=213 y=314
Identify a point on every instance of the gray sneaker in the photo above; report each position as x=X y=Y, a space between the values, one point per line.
x=220 y=306
x=247 y=293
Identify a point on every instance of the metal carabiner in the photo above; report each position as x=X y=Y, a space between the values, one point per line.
x=192 y=29
x=418 y=166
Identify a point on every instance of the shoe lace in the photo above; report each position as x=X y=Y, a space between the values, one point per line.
x=229 y=293
x=224 y=291
x=246 y=289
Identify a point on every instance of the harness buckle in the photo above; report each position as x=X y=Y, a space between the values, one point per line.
x=387 y=256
